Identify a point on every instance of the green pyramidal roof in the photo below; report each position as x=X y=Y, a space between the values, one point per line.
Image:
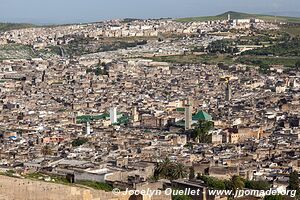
x=201 y=115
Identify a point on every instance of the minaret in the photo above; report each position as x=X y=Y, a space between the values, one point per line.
x=135 y=115
x=43 y=76
x=229 y=17
x=228 y=91
x=113 y=115
x=88 y=128
x=188 y=114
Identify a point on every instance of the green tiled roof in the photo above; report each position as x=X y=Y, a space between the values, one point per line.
x=180 y=109
x=202 y=116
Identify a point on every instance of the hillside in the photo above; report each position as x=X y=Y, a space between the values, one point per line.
x=12 y=26
x=238 y=15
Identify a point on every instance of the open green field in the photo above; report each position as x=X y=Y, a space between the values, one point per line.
x=238 y=15
x=292 y=30
x=228 y=60
x=196 y=59
x=257 y=60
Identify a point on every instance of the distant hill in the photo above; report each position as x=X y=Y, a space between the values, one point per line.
x=238 y=15
x=12 y=26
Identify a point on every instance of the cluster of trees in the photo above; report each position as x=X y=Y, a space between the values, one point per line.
x=264 y=68
x=173 y=170
x=213 y=182
x=236 y=182
x=201 y=131
x=121 y=45
x=79 y=46
x=79 y=141
x=286 y=48
x=98 y=71
x=294 y=183
x=170 y=170
x=297 y=65
x=257 y=185
x=219 y=46
x=222 y=46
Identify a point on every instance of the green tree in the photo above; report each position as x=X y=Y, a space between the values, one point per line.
x=297 y=64
x=294 y=181
x=180 y=171
x=237 y=183
x=79 y=141
x=213 y=182
x=162 y=168
x=257 y=185
x=200 y=133
x=264 y=68
x=192 y=173
x=170 y=170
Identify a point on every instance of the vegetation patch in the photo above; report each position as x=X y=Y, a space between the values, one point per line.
x=16 y=51
x=11 y=26
x=79 y=141
x=96 y=185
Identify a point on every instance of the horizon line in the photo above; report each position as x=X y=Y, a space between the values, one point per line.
x=139 y=18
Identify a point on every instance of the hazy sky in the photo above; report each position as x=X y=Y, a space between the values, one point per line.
x=67 y=11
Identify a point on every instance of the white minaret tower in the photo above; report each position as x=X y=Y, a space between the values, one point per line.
x=229 y=17
x=113 y=115
x=188 y=114
x=88 y=128
x=135 y=115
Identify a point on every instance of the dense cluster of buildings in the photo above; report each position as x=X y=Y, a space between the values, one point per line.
x=137 y=112
x=41 y=37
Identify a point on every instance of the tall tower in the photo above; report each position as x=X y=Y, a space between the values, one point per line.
x=43 y=76
x=228 y=92
x=229 y=17
x=135 y=115
x=88 y=128
x=188 y=114
x=113 y=115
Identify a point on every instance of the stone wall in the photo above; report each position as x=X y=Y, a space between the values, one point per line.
x=24 y=189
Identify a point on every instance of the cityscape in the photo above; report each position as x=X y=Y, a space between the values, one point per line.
x=198 y=108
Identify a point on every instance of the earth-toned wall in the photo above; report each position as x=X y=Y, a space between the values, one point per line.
x=24 y=189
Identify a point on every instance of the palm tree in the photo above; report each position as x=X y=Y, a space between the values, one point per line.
x=180 y=171
x=170 y=170
x=163 y=168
